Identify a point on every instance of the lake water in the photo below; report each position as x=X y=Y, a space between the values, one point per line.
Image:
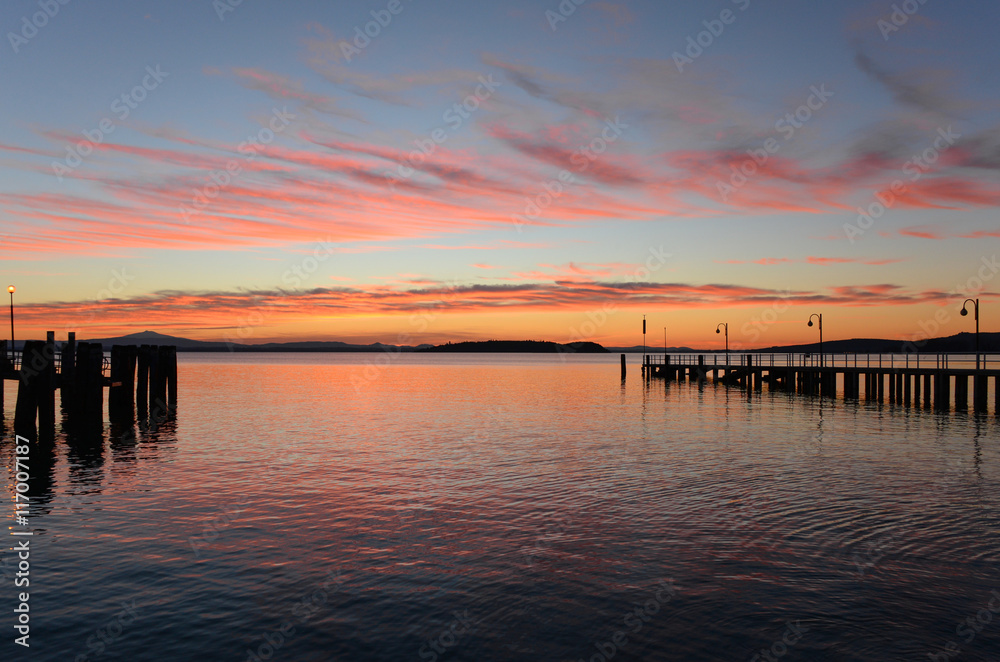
x=467 y=507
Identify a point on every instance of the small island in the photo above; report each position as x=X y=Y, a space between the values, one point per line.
x=519 y=346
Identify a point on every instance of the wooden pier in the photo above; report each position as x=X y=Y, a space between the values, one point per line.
x=939 y=381
x=141 y=383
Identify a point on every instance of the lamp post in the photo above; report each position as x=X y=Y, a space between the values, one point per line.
x=11 y=288
x=643 y=369
x=975 y=304
x=724 y=325
x=820 y=316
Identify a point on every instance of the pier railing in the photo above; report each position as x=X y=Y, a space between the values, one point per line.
x=914 y=361
x=16 y=358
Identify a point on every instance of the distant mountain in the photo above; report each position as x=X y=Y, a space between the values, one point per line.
x=187 y=345
x=154 y=338
x=532 y=346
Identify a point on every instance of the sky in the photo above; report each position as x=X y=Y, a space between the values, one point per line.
x=408 y=171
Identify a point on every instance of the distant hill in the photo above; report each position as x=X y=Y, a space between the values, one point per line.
x=959 y=343
x=187 y=345
x=532 y=346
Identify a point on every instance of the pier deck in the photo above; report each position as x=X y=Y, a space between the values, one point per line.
x=941 y=381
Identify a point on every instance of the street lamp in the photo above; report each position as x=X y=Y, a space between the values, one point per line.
x=821 y=360
x=975 y=303
x=10 y=288
x=724 y=325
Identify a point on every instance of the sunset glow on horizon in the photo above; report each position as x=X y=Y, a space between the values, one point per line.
x=408 y=173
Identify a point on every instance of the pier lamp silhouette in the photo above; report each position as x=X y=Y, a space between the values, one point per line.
x=975 y=304
x=11 y=288
x=724 y=325
x=820 y=316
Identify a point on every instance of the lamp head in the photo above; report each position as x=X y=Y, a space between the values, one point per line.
x=810 y=322
x=717 y=331
x=964 y=312
x=10 y=288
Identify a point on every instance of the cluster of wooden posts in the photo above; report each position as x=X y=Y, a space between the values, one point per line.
x=907 y=386
x=141 y=381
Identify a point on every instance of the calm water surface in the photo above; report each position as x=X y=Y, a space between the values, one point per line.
x=314 y=507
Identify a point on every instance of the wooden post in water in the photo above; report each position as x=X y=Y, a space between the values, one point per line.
x=3 y=371
x=142 y=381
x=89 y=388
x=131 y=352
x=95 y=385
x=116 y=388
x=942 y=391
x=67 y=376
x=928 y=390
x=27 y=394
x=980 y=386
x=962 y=392
x=623 y=367
x=158 y=386
x=996 y=395
x=172 y=376
x=854 y=379
x=154 y=374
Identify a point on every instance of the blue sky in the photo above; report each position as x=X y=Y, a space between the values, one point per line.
x=447 y=238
